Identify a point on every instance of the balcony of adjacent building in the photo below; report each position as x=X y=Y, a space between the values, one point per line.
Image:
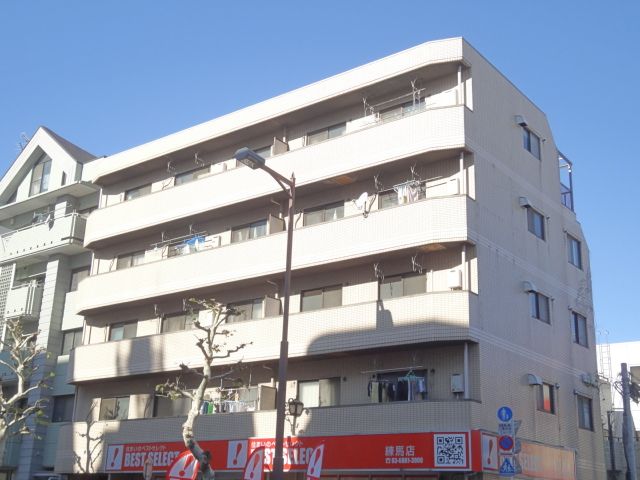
x=24 y=301
x=48 y=235
x=386 y=133
x=239 y=256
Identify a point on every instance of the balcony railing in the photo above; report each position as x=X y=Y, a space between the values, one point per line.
x=24 y=301
x=52 y=235
x=423 y=131
x=434 y=220
x=431 y=317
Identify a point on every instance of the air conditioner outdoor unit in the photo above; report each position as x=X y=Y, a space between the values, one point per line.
x=454 y=279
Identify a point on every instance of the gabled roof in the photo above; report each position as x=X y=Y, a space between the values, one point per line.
x=43 y=140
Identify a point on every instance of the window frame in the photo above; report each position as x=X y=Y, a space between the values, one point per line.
x=60 y=408
x=187 y=320
x=403 y=277
x=158 y=398
x=542 y=398
x=130 y=257
x=42 y=167
x=77 y=337
x=322 y=402
x=137 y=192
x=532 y=215
x=73 y=282
x=189 y=176
x=582 y=401
x=334 y=206
x=535 y=306
x=329 y=133
x=324 y=290
x=239 y=306
x=116 y=401
x=250 y=229
x=124 y=325
x=574 y=251
x=576 y=321
x=527 y=136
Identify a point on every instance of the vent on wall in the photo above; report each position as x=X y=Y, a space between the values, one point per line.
x=533 y=379
x=520 y=120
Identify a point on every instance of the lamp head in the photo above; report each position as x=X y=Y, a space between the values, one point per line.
x=295 y=407
x=249 y=158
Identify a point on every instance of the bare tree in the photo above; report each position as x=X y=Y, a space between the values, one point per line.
x=91 y=443
x=212 y=343
x=19 y=356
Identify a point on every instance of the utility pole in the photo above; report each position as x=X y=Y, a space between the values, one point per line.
x=628 y=435
x=612 y=452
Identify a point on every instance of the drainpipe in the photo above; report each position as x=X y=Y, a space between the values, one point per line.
x=466 y=371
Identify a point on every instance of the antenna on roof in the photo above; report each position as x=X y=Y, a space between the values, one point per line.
x=24 y=141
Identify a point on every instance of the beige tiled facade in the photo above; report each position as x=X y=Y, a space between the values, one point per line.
x=436 y=279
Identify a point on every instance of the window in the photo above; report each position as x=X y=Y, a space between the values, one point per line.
x=579 y=329
x=574 y=251
x=531 y=142
x=165 y=407
x=249 y=232
x=114 y=408
x=399 y=111
x=535 y=223
x=40 y=175
x=585 y=413
x=539 y=304
x=130 y=260
x=326 y=133
x=70 y=340
x=546 y=398
x=137 y=192
x=319 y=393
x=76 y=276
x=325 y=213
x=175 y=322
x=402 y=285
x=120 y=331
x=247 y=310
x=191 y=175
x=264 y=152
x=406 y=193
x=62 y=408
x=326 y=297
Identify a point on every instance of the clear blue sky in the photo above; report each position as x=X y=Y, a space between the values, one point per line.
x=111 y=75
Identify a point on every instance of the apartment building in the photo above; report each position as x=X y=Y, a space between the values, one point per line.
x=439 y=273
x=44 y=203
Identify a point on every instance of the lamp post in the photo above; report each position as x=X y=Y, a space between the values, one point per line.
x=254 y=161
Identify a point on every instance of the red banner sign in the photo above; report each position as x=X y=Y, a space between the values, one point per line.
x=435 y=451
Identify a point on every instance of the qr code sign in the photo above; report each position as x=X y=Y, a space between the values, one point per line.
x=450 y=449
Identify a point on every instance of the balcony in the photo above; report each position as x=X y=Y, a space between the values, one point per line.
x=397 y=417
x=55 y=235
x=24 y=301
x=431 y=317
x=368 y=146
x=435 y=220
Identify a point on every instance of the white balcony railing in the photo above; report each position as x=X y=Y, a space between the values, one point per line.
x=63 y=234
x=386 y=141
x=431 y=317
x=436 y=220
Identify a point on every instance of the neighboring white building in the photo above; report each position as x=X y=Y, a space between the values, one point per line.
x=610 y=358
x=464 y=287
x=44 y=203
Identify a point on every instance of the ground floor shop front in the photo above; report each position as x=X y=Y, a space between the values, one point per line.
x=411 y=456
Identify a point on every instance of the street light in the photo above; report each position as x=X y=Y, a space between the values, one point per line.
x=254 y=161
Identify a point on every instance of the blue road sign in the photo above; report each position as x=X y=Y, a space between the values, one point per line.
x=505 y=414
x=507 y=468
